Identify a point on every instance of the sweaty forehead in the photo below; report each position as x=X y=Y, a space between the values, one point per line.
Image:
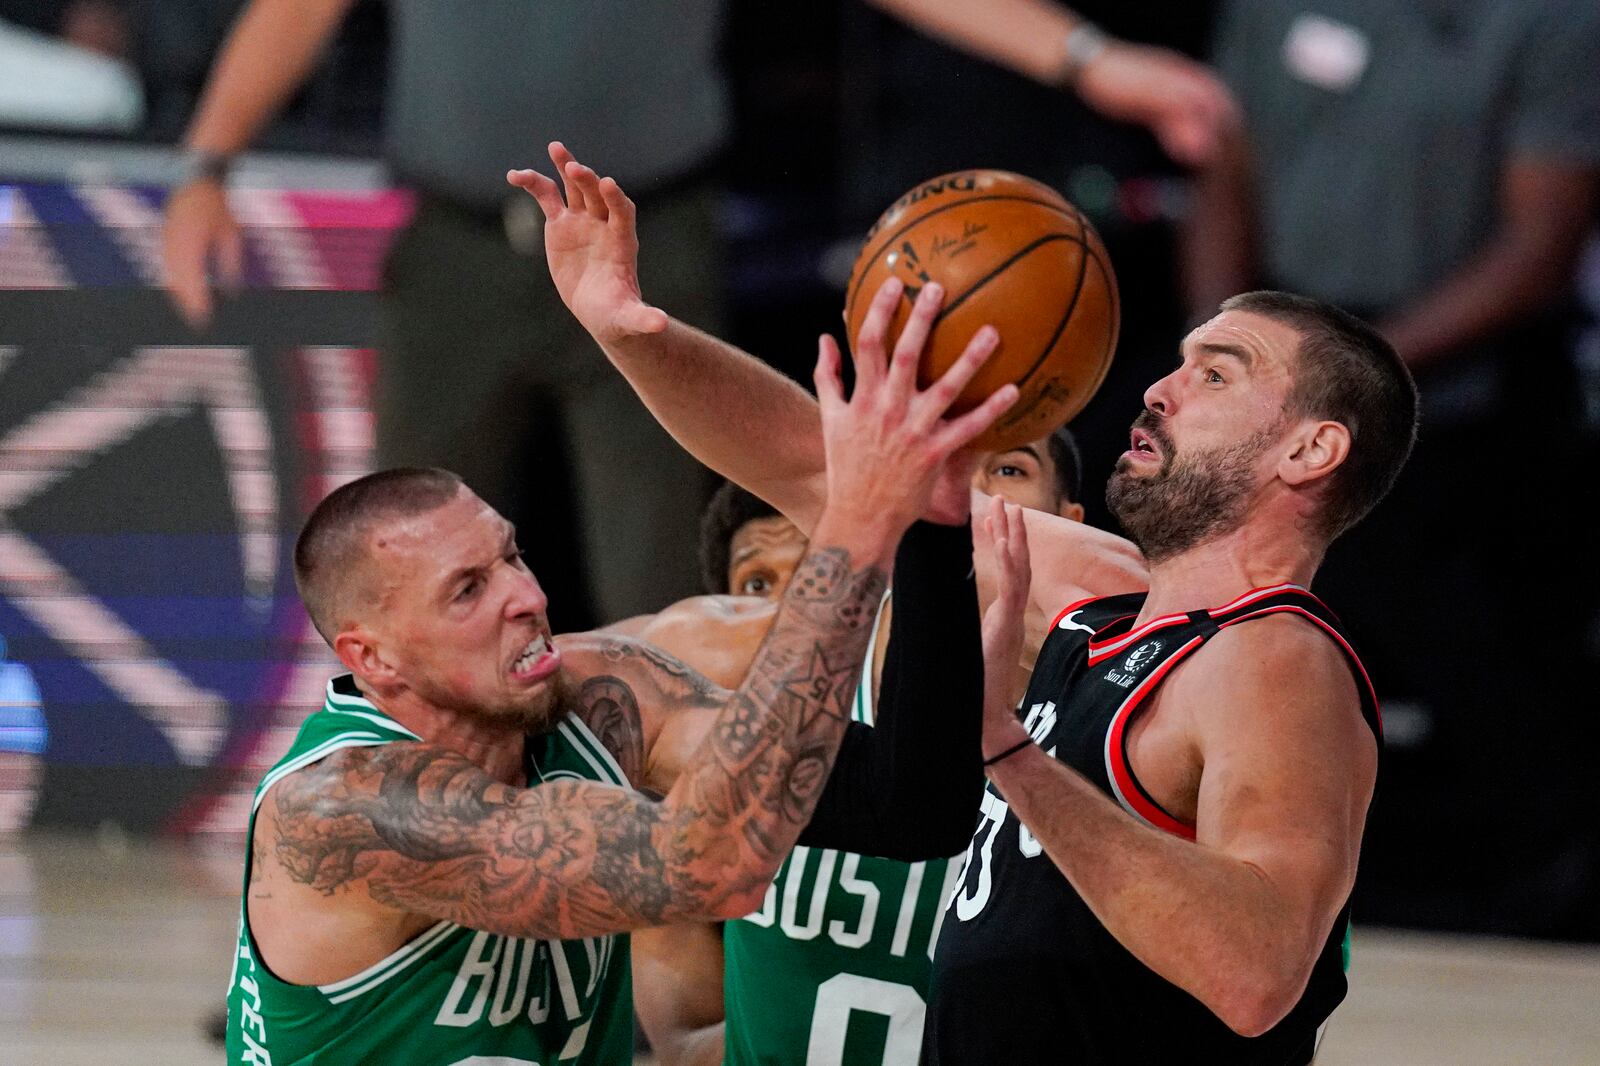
x=436 y=542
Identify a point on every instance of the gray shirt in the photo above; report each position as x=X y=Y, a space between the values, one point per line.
x=1381 y=127
x=480 y=86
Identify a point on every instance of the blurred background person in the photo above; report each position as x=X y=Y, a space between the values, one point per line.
x=1433 y=166
x=482 y=370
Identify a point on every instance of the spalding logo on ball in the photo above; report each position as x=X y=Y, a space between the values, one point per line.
x=1010 y=253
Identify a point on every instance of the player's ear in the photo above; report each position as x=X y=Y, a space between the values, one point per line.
x=1315 y=450
x=358 y=649
x=1072 y=512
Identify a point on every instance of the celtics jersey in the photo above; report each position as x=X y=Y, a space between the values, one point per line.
x=833 y=969
x=451 y=995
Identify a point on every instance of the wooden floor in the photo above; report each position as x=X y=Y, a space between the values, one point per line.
x=114 y=951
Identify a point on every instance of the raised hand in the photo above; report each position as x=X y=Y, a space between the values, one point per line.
x=888 y=445
x=1003 y=623
x=591 y=247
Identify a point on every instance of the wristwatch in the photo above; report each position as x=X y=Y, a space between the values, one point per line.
x=194 y=166
x=1084 y=43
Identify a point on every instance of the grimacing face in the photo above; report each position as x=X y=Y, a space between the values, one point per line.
x=763 y=555
x=1205 y=444
x=458 y=616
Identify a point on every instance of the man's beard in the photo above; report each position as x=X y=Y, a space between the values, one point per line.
x=535 y=713
x=1193 y=498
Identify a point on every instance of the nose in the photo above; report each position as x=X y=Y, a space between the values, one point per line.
x=527 y=598
x=1159 y=397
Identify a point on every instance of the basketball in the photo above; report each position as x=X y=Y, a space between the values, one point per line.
x=1011 y=253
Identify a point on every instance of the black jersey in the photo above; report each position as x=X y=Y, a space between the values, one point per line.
x=1024 y=972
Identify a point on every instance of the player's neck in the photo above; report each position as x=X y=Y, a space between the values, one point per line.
x=498 y=748
x=1217 y=571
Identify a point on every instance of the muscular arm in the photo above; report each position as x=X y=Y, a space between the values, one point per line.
x=1238 y=917
x=425 y=831
x=1545 y=212
x=731 y=411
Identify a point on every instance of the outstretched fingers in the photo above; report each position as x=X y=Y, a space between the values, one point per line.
x=959 y=432
x=938 y=397
x=583 y=191
x=914 y=338
x=562 y=158
x=870 y=345
x=618 y=206
x=830 y=389
x=541 y=188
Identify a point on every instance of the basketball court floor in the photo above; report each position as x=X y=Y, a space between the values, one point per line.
x=114 y=950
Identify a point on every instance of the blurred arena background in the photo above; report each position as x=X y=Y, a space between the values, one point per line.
x=154 y=659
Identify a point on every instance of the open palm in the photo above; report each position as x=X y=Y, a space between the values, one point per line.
x=591 y=247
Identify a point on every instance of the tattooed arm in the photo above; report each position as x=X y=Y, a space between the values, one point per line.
x=427 y=832
x=424 y=830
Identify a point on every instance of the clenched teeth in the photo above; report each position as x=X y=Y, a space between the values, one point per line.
x=536 y=648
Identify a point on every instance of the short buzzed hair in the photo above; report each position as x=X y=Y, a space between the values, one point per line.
x=331 y=547
x=730 y=508
x=1348 y=373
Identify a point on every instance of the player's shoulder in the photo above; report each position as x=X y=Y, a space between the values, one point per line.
x=1275 y=658
x=716 y=636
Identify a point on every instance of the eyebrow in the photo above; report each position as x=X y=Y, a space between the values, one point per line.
x=746 y=552
x=1219 y=348
x=1028 y=448
x=508 y=542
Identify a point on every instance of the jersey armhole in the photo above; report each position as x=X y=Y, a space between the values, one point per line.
x=278 y=773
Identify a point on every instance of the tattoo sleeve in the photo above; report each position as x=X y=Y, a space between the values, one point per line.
x=425 y=830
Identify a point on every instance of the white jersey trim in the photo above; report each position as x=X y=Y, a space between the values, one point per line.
x=587 y=745
x=389 y=965
x=361 y=707
x=306 y=758
x=866 y=710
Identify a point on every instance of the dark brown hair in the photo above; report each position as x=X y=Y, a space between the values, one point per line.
x=1346 y=373
x=730 y=508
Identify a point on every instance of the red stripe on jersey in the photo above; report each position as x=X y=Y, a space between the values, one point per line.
x=1118 y=643
x=1350 y=653
x=1127 y=786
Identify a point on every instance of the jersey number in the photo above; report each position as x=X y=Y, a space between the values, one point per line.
x=846 y=992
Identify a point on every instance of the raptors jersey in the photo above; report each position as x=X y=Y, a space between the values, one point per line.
x=1024 y=971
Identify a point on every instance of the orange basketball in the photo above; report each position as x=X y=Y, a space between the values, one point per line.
x=1011 y=253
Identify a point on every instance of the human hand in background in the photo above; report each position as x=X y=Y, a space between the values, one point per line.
x=1181 y=101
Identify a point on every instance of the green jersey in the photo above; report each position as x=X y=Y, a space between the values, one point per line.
x=452 y=995
x=833 y=969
